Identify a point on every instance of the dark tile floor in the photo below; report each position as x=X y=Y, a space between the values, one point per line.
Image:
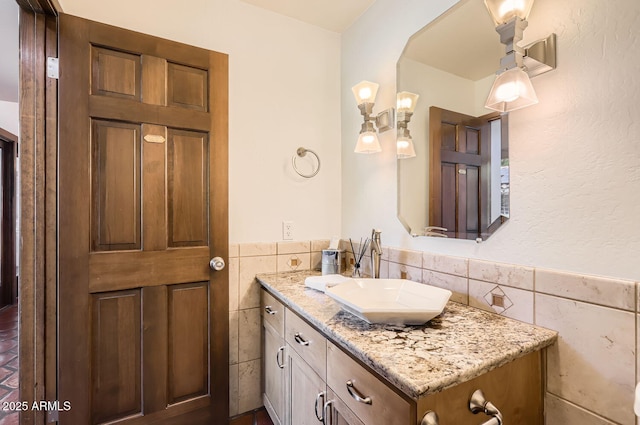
x=8 y=363
x=257 y=417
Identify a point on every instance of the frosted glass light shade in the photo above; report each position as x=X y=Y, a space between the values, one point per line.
x=368 y=143
x=365 y=92
x=406 y=101
x=504 y=10
x=510 y=91
x=405 y=147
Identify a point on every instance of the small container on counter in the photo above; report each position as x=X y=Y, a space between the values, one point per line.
x=332 y=261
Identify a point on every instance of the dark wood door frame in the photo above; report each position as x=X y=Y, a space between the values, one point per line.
x=38 y=148
x=9 y=143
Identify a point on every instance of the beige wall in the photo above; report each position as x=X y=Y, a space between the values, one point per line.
x=284 y=92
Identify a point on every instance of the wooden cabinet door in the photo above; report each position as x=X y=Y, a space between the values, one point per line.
x=339 y=413
x=307 y=392
x=143 y=321
x=274 y=366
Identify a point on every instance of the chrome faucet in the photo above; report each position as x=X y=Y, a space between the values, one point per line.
x=376 y=253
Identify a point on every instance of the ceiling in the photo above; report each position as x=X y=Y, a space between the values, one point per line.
x=9 y=77
x=334 y=15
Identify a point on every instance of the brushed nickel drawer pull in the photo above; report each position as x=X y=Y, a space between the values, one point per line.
x=280 y=350
x=300 y=340
x=324 y=412
x=270 y=310
x=357 y=395
x=320 y=416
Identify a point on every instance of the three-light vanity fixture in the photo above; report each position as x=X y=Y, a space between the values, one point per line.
x=512 y=88
x=365 y=94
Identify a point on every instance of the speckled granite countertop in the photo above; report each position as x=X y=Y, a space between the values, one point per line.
x=460 y=344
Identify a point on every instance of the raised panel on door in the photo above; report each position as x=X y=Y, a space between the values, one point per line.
x=305 y=388
x=116 y=366
x=115 y=73
x=187 y=87
x=187 y=160
x=115 y=192
x=188 y=341
x=339 y=413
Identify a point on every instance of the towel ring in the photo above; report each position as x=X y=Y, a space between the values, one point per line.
x=302 y=152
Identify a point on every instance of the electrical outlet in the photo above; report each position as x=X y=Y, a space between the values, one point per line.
x=287 y=230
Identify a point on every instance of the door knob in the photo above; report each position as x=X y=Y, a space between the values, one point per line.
x=216 y=263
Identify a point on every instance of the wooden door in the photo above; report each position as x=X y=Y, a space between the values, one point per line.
x=8 y=283
x=143 y=321
x=460 y=155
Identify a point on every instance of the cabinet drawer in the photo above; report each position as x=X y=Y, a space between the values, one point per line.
x=307 y=342
x=273 y=312
x=383 y=405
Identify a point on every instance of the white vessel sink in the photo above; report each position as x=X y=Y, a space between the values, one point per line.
x=391 y=301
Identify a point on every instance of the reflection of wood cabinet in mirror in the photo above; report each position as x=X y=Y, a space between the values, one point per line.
x=451 y=64
x=465 y=151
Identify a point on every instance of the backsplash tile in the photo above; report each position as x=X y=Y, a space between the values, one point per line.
x=320 y=244
x=249 y=386
x=594 y=360
x=504 y=300
x=233 y=337
x=249 y=328
x=593 y=289
x=502 y=274
x=402 y=271
x=446 y=264
x=234 y=283
x=409 y=258
x=562 y=412
x=249 y=289
x=458 y=285
x=233 y=390
x=293 y=262
x=260 y=248
x=293 y=247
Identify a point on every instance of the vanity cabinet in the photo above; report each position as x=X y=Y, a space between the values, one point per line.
x=274 y=358
x=362 y=392
x=317 y=372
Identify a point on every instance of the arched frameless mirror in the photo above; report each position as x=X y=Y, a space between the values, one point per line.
x=459 y=178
